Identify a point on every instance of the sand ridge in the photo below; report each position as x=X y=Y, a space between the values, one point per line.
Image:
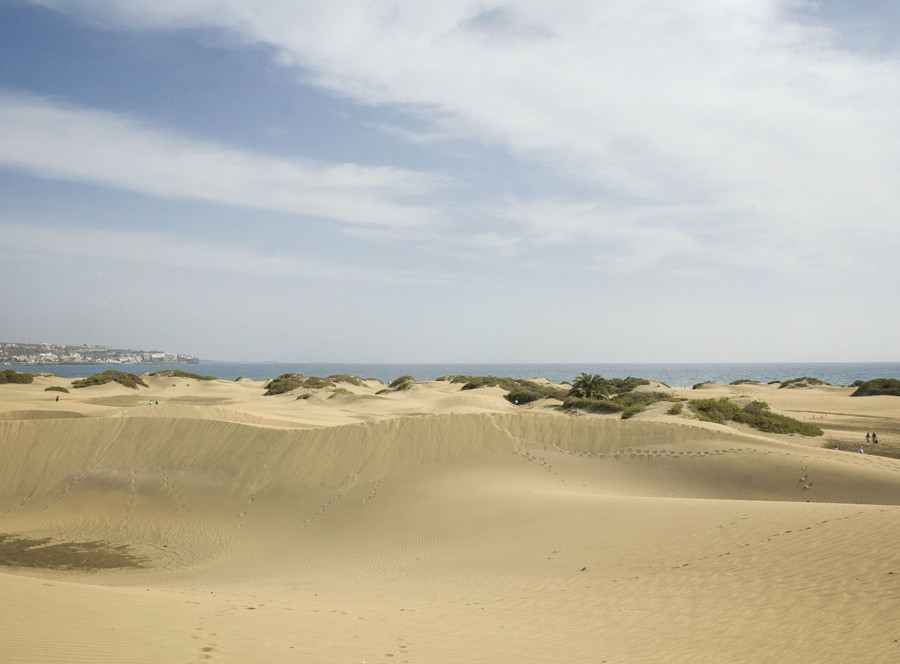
x=436 y=525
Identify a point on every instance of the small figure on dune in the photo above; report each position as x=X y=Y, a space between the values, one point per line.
x=874 y=438
x=860 y=450
x=868 y=437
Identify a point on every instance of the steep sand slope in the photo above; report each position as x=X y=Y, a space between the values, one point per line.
x=490 y=534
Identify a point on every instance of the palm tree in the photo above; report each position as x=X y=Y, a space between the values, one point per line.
x=590 y=386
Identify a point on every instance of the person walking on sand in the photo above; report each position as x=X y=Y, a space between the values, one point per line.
x=867 y=437
x=874 y=438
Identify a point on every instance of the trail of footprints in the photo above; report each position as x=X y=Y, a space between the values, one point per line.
x=632 y=453
x=768 y=538
x=67 y=488
x=745 y=545
x=172 y=491
x=129 y=498
x=543 y=463
x=208 y=649
x=324 y=508
x=372 y=493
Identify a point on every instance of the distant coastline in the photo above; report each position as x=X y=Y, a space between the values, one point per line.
x=52 y=355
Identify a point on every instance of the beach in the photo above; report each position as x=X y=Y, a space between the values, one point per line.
x=199 y=520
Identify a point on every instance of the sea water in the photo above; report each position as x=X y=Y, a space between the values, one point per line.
x=674 y=375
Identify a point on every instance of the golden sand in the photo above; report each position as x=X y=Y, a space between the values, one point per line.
x=433 y=525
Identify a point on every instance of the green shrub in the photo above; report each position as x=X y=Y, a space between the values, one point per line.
x=631 y=398
x=339 y=392
x=289 y=382
x=676 y=409
x=592 y=405
x=755 y=414
x=804 y=381
x=120 y=377
x=56 y=388
x=876 y=386
x=346 y=378
x=305 y=395
x=719 y=411
x=633 y=410
x=458 y=378
x=178 y=373
x=743 y=381
x=521 y=395
x=316 y=383
x=620 y=385
x=402 y=379
x=10 y=376
x=405 y=385
x=475 y=382
x=525 y=391
x=758 y=416
x=386 y=390
x=284 y=383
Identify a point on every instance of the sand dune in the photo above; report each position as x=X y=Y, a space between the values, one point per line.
x=433 y=525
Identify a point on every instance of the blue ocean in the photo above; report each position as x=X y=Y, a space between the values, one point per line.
x=674 y=375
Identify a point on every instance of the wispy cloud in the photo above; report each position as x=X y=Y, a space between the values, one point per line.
x=56 y=141
x=735 y=111
x=726 y=131
x=166 y=250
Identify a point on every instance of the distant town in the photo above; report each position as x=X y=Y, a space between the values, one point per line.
x=49 y=354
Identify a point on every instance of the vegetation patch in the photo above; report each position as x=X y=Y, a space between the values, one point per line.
x=804 y=381
x=877 y=386
x=397 y=382
x=518 y=391
x=593 y=393
x=595 y=386
x=178 y=373
x=744 y=381
x=56 y=388
x=676 y=409
x=47 y=554
x=111 y=376
x=8 y=376
x=305 y=395
x=633 y=410
x=340 y=392
x=317 y=383
x=284 y=383
x=346 y=378
x=592 y=405
x=290 y=381
x=755 y=414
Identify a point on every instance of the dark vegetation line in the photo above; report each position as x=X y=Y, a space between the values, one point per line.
x=587 y=392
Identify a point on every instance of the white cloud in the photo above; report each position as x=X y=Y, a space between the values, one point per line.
x=165 y=250
x=54 y=141
x=723 y=130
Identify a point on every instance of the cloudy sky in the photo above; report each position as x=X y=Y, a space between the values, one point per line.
x=453 y=181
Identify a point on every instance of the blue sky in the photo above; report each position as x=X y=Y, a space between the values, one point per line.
x=460 y=181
